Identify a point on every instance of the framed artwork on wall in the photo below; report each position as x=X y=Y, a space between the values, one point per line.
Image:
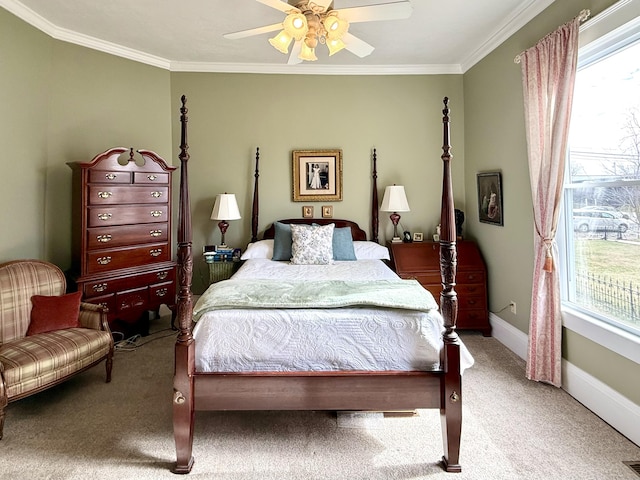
x=490 y=198
x=317 y=175
x=307 y=211
x=327 y=211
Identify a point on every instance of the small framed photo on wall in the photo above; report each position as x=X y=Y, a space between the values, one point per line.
x=307 y=211
x=327 y=211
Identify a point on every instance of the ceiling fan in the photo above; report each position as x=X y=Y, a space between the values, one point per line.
x=309 y=22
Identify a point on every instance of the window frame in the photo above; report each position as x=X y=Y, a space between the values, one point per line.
x=608 y=32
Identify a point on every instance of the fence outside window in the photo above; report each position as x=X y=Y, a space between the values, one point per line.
x=610 y=297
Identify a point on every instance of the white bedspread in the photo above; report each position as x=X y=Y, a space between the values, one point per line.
x=352 y=338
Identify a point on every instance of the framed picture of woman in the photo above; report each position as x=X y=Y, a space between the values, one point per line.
x=317 y=175
x=490 y=198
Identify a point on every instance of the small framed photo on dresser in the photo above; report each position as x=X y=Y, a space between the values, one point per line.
x=417 y=236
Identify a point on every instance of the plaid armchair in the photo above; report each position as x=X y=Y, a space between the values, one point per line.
x=32 y=360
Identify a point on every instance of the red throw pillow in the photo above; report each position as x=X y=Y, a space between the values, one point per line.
x=54 y=312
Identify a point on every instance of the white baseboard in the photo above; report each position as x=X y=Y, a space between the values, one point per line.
x=615 y=409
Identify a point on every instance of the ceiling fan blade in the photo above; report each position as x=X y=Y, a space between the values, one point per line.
x=356 y=46
x=278 y=5
x=295 y=51
x=324 y=3
x=253 y=31
x=373 y=13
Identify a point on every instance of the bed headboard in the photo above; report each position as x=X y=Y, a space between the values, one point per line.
x=356 y=232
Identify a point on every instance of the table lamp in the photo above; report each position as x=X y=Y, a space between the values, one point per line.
x=225 y=208
x=395 y=200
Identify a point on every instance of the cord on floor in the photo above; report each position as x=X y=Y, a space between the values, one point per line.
x=131 y=344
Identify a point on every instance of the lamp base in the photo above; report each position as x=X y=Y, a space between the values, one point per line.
x=396 y=240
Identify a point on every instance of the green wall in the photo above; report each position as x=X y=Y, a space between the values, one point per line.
x=65 y=103
x=25 y=68
x=495 y=141
x=232 y=114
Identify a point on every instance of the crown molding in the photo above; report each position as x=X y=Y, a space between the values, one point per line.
x=42 y=24
x=315 y=69
x=509 y=26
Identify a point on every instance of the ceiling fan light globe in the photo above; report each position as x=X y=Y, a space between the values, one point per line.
x=335 y=27
x=335 y=46
x=281 y=42
x=295 y=24
x=307 y=53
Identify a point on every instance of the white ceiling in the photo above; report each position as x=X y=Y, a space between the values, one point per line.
x=441 y=36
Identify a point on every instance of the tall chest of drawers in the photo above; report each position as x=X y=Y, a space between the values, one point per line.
x=421 y=261
x=122 y=236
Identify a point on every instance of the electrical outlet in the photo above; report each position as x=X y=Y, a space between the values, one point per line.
x=512 y=305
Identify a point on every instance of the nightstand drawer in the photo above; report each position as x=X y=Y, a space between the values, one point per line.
x=471 y=289
x=424 y=279
x=469 y=277
x=471 y=301
x=472 y=319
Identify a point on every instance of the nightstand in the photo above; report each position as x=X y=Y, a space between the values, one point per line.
x=221 y=269
x=421 y=261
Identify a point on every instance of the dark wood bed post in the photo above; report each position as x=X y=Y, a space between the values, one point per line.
x=183 y=402
x=255 y=207
x=451 y=404
x=375 y=222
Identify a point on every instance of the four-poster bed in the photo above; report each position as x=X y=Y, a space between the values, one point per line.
x=369 y=388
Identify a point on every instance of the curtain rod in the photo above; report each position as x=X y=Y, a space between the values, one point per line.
x=582 y=16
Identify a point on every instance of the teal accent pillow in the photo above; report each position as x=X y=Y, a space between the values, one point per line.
x=282 y=242
x=343 y=244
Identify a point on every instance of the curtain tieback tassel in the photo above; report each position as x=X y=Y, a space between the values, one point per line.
x=548 y=261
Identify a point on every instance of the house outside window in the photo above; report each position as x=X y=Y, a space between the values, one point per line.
x=599 y=238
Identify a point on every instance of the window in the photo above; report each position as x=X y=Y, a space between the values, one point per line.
x=600 y=254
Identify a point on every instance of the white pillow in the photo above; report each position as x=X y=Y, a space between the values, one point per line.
x=312 y=245
x=259 y=249
x=370 y=251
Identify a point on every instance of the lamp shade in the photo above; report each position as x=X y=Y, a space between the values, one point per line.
x=394 y=200
x=225 y=207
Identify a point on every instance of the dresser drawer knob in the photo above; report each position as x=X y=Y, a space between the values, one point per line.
x=104 y=238
x=163 y=275
x=104 y=194
x=99 y=287
x=161 y=292
x=104 y=216
x=155 y=252
x=155 y=233
x=156 y=194
x=104 y=260
x=110 y=176
x=156 y=213
x=152 y=177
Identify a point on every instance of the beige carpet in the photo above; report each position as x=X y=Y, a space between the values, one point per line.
x=513 y=429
